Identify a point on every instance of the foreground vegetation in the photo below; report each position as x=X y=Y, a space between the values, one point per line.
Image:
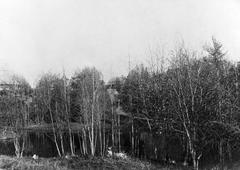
x=96 y=163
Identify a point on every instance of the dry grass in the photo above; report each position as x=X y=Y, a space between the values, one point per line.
x=28 y=163
x=95 y=163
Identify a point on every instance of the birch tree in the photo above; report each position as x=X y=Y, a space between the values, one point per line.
x=45 y=92
x=88 y=84
x=185 y=83
x=14 y=109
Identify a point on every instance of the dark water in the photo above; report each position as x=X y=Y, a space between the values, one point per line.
x=40 y=144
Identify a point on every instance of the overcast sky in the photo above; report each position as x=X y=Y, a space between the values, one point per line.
x=38 y=36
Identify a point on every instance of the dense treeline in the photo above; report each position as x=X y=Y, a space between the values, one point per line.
x=186 y=112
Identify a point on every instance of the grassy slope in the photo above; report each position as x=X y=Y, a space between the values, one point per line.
x=27 y=163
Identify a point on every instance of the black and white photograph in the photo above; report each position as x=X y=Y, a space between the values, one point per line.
x=119 y=85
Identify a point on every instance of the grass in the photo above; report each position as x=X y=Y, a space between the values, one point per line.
x=94 y=163
x=27 y=163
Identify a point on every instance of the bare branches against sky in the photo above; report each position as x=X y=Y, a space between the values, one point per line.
x=39 y=36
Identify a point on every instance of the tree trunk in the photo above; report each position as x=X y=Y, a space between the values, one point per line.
x=62 y=146
x=71 y=140
x=187 y=153
x=91 y=139
x=113 y=140
x=229 y=151
x=84 y=142
x=23 y=145
x=132 y=135
x=104 y=133
x=191 y=146
x=119 y=135
x=80 y=144
x=70 y=132
x=54 y=133
x=91 y=134
x=195 y=163
x=95 y=140
x=194 y=156
x=100 y=139
x=221 y=156
x=17 y=147
x=67 y=108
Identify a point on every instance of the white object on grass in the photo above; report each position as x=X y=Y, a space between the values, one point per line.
x=119 y=155
x=109 y=151
x=67 y=156
x=35 y=157
x=172 y=162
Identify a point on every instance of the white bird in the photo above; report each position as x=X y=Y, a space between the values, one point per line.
x=67 y=156
x=35 y=157
x=119 y=155
x=109 y=151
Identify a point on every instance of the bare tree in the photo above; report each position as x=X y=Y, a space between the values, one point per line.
x=185 y=84
x=45 y=89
